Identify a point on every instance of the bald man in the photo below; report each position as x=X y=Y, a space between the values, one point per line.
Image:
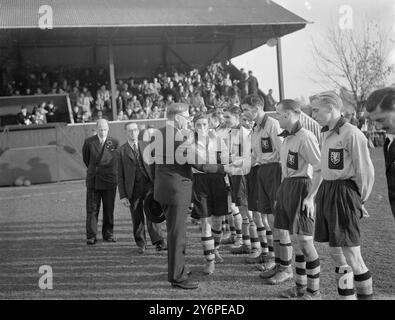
x=99 y=155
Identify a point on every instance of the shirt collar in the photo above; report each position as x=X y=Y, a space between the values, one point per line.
x=337 y=126
x=132 y=144
x=262 y=123
x=297 y=126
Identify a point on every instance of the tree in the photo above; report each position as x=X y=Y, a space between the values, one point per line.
x=354 y=59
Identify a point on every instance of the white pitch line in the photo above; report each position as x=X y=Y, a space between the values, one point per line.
x=40 y=194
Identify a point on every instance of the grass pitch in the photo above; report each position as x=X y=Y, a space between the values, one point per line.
x=45 y=225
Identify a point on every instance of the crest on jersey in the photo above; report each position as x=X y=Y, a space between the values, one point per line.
x=336 y=159
x=266 y=145
x=292 y=160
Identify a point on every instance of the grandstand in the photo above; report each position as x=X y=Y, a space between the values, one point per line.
x=117 y=41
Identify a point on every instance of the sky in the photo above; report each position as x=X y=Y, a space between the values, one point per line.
x=300 y=74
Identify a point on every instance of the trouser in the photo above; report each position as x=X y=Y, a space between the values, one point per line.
x=176 y=241
x=138 y=219
x=93 y=200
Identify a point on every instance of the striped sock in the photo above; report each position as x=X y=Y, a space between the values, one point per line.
x=364 y=286
x=285 y=254
x=208 y=248
x=272 y=245
x=255 y=243
x=276 y=252
x=345 y=283
x=217 y=235
x=313 y=269
x=300 y=266
x=262 y=238
x=246 y=232
x=233 y=231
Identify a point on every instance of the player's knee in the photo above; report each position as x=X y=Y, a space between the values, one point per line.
x=217 y=222
x=337 y=256
x=307 y=247
x=354 y=259
x=206 y=228
x=284 y=235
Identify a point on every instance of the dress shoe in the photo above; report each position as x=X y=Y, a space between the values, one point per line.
x=187 y=284
x=110 y=239
x=91 y=241
x=281 y=276
x=141 y=250
x=161 y=247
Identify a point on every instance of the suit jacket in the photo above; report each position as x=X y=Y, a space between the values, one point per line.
x=101 y=175
x=389 y=155
x=127 y=166
x=173 y=182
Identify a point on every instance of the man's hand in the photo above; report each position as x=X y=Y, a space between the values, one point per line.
x=308 y=205
x=125 y=202
x=237 y=163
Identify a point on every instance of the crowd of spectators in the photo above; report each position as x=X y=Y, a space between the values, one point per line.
x=44 y=113
x=90 y=94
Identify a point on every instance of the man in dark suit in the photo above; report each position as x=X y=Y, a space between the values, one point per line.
x=99 y=155
x=134 y=182
x=380 y=106
x=252 y=84
x=173 y=187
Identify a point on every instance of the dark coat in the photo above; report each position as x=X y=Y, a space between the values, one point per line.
x=389 y=156
x=173 y=182
x=102 y=175
x=127 y=164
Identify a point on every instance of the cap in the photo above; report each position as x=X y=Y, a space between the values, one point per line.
x=152 y=208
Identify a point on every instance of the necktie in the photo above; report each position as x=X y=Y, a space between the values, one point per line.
x=135 y=148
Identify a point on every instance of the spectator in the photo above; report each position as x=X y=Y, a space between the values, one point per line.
x=24 y=117
x=74 y=96
x=84 y=104
x=51 y=112
x=104 y=96
x=197 y=100
x=253 y=86
x=121 y=116
x=129 y=113
x=77 y=114
x=271 y=101
x=43 y=110
x=155 y=114
x=37 y=117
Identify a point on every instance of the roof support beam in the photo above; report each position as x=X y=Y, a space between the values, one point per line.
x=112 y=81
x=280 y=69
x=179 y=57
